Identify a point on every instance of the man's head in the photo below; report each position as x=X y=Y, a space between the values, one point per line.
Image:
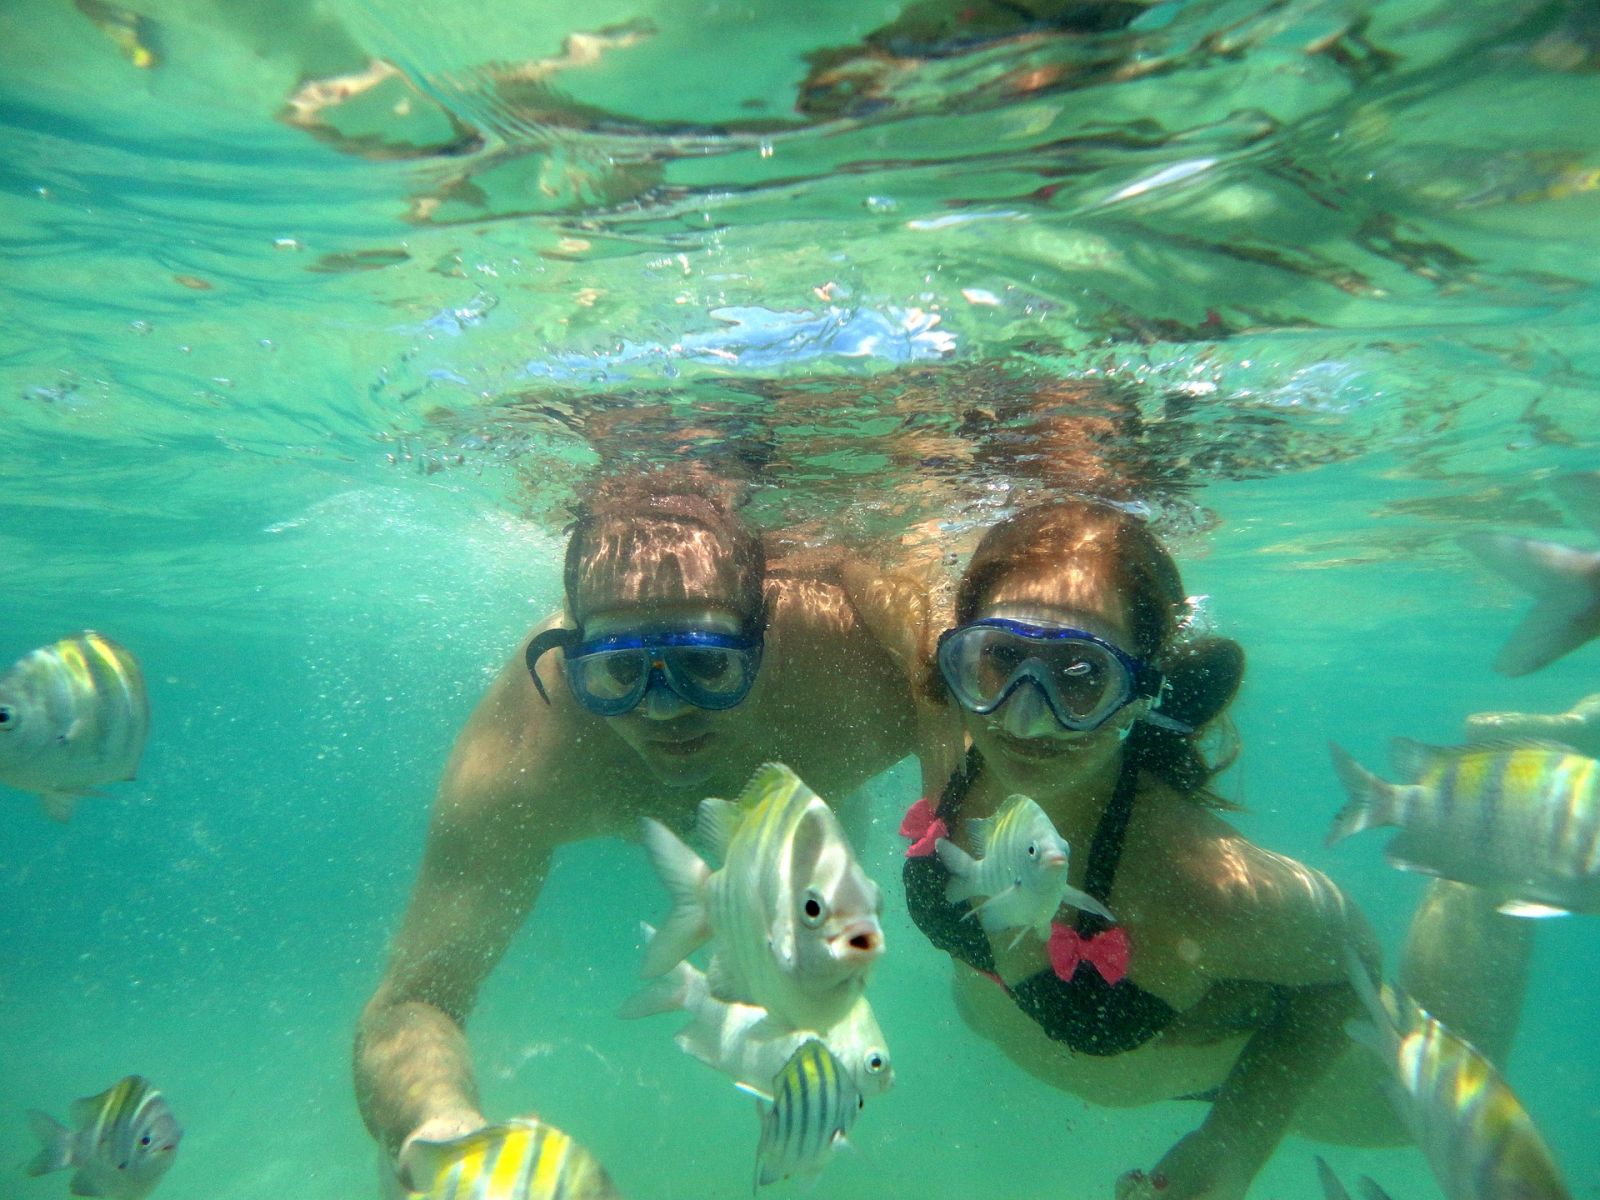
x=665 y=585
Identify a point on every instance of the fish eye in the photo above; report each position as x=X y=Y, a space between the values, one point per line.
x=5 y=716
x=874 y=1063
x=813 y=911
x=145 y=1140
x=1033 y=849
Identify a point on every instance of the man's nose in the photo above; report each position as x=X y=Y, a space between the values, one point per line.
x=661 y=703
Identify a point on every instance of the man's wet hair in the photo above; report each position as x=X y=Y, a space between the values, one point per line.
x=665 y=535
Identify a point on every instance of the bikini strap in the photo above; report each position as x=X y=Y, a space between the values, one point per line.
x=1105 y=850
x=954 y=795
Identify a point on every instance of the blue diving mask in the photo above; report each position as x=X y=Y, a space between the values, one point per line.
x=1084 y=679
x=610 y=675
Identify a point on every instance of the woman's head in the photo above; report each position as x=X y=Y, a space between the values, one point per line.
x=1084 y=566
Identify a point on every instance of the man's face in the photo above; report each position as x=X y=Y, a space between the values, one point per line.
x=679 y=743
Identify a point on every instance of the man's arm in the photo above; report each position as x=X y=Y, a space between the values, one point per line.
x=485 y=861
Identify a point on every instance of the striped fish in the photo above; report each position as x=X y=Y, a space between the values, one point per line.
x=122 y=1142
x=813 y=1106
x=746 y=1044
x=1477 y=1137
x=72 y=716
x=1520 y=820
x=793 y=917
x=514 y=1160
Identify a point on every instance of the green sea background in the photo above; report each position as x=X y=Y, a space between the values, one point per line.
x=293 y=407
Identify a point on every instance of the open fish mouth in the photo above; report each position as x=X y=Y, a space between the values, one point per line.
x=861 y=941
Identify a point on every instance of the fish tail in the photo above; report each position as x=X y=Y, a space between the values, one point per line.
x=1371 y=799
x=687 y=926
x=1566 y=612
x=55 y=1151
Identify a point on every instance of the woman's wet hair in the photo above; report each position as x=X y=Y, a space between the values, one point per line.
x=664 y=536
x=1079 y=553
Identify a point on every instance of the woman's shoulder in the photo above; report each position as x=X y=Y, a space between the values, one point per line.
x=1253 y=913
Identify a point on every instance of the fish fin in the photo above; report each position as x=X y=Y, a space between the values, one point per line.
x=724 y=982
x=83 y=1184
x=961 y=866
x=1371 y=1190
x=1580 y=493
x=429 y=1160
x=768 y=777
x=1022 y=932
x=1371 y=799
x=669 y=993
x=85 y=1110
x=1332 y=1189
x=59 y=806
x=389 y=1185
x=1379 y=1001
x=687 y=926
x=1566 y=612
x=750 y=1089
x=55 y=1144
x=715 y=824
x=1532 y=909
x=1086 y=902
x=1003 y=894
x=979 y=831
x=1411 y=760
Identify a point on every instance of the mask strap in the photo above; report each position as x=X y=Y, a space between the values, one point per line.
x=1159 y=719
x=541 y=645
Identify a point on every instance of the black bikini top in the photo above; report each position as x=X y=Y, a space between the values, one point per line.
x=1084 y=1011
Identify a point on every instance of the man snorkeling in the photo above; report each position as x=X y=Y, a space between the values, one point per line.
x=684 y=660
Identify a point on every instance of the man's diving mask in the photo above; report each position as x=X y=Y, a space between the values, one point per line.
x=1084 y=679
x=610 y=675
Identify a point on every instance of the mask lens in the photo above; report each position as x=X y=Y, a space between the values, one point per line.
x=710 y=676
x=610 y=677
x=1083 y=680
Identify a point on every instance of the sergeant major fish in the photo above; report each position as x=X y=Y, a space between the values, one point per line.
x=813 y=1106
x=73 y=715
x=747 y=1044
x=1021 y=867
x=1564 y=580
x=793 y=918
x=1477 y=1137
x=512 y=1160
x=1520 y=820
x=122 y=1142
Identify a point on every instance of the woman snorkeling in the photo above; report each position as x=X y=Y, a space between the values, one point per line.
x=1222 y=974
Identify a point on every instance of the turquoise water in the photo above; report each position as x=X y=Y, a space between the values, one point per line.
x=294 y=410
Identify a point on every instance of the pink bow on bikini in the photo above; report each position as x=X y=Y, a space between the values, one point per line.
x=923 y=828
x=1106 y=951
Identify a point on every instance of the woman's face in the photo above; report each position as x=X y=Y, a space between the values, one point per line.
x=1021 y=741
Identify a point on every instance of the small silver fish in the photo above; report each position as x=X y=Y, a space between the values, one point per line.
x=73 y=715
x=1520 y=820
x=513 y=1160
x=1564 y=580
x=793 y=918
x=122 y=1142
x=744 y=1042
x=1578 y=727
x=1021 y=867
x=1477 y=1137
x=814 y=1105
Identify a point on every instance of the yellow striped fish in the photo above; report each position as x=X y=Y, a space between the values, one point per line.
x=133 y=34
x=72 y=716
x=1520 y=820
x=122 y=1142
x=793 y=918
x=1480 y=1142
x=514 y=1160
x=814 y=1105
